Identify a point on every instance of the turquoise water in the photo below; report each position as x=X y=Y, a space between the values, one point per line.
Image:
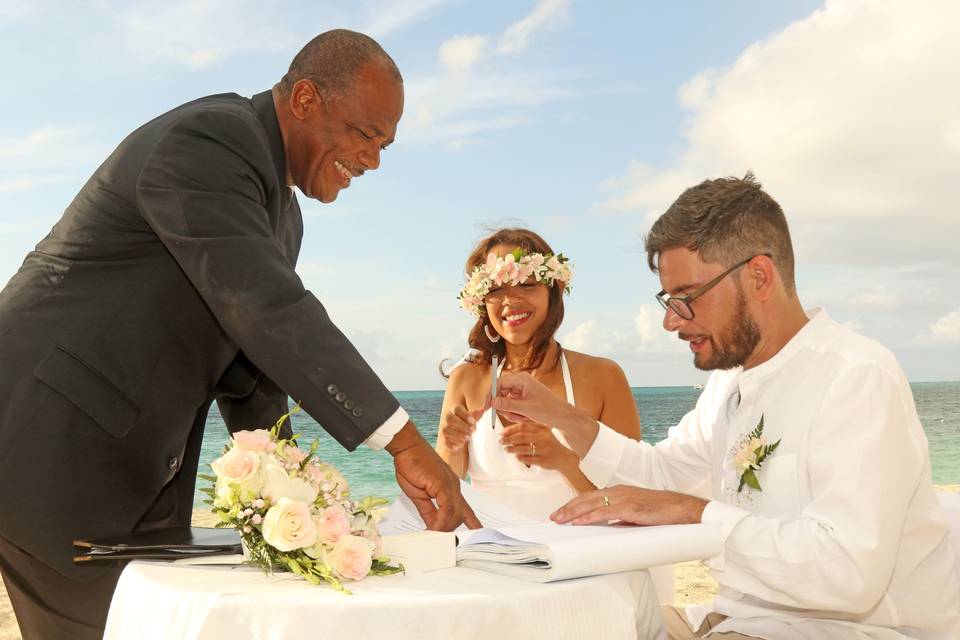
x=371 y=472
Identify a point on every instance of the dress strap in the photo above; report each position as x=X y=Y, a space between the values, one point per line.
x=567 y=381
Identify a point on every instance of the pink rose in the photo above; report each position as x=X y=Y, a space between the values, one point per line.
x=352 y=557
x=288 y=526
x=257 y=440
x=332 y=524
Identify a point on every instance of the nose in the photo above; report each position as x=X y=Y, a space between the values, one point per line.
x=370 y=157
x=671 y=321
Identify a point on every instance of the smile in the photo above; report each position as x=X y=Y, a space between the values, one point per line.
x=516 y=319
x=345 y=173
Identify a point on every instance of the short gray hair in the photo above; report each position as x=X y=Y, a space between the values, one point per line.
x=725 y=220
x=333 y=59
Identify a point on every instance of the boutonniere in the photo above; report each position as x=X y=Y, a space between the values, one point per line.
x=749 y=453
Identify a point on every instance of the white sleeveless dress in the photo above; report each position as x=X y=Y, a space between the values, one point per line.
x=531 y=491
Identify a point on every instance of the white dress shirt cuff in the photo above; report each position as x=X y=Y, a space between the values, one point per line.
x=384 y=434
x=726 y=516
x=603 y=458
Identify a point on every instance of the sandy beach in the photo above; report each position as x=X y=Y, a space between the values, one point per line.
x=693 y=582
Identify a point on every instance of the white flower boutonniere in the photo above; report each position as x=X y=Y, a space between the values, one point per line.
x=749 y=453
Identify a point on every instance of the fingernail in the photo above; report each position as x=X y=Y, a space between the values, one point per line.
x=472 y=420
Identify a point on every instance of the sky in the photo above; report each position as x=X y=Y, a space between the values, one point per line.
x=580 y=120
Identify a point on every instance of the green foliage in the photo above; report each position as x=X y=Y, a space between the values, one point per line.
x=749 y=477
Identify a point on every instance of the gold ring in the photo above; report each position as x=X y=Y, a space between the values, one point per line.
x=606 y=501
x=533 y=449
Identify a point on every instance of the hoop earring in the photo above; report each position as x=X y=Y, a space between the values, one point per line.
x=492 y=338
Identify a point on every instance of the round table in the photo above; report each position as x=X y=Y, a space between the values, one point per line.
x=169 y=600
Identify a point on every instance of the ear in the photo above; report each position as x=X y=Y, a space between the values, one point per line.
x=303 y=99
x=760 y=275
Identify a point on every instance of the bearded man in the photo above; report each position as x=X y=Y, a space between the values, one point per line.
x=804 y=448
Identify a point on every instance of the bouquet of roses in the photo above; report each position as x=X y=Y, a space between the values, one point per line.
x=293 y=511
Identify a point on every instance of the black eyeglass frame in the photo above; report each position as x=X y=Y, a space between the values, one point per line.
x=680 y=305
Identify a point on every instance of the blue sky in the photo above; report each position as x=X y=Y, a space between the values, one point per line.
x=580 y=120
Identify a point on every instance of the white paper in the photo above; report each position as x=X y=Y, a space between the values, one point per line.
x=403 y=517
x=546 y=552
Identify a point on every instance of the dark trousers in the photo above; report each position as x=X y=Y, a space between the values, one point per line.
x=49 y=606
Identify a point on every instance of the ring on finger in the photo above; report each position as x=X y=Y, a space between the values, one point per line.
x=533 y=449
x=606 y=501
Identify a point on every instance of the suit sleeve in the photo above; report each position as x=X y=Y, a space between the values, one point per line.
x=204 y=191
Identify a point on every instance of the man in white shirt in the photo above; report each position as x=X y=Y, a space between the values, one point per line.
x=804 y=448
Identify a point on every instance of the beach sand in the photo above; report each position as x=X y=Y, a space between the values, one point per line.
x=693 y=582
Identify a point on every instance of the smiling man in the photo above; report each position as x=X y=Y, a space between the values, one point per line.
x=804 y=447
x=167 y=284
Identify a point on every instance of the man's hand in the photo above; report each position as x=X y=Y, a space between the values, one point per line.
x=633 y=505
x=520 y=397
x=424 y=477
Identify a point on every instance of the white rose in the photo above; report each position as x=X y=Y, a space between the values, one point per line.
x=241 y=468
x=278 y=485
x=289 y=526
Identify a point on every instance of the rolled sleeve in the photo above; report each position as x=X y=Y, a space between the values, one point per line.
x=603 y=459
x=385 y=432
x=726 y=517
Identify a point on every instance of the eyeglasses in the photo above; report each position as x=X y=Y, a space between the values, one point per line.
x=680 y=305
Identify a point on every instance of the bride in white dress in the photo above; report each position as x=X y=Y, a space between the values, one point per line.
x=516 y=286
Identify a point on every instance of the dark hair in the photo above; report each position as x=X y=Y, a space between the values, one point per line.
x=725 y=220
x=530 y=242
x=333 y=59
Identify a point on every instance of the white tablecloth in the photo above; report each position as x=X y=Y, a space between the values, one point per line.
x=162 y=600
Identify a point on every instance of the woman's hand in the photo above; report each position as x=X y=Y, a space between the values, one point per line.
x=456 y=427
x=534 y=444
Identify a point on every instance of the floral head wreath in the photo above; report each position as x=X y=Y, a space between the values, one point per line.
x=511 y=270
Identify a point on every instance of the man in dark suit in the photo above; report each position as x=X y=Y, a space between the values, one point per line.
x=167 y=284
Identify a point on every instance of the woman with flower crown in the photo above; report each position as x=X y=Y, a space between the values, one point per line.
x=515 y=290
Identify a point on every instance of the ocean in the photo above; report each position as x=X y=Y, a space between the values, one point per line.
x=371 y=472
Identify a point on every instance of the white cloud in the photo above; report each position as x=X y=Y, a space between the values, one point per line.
x=877 y=299
x=201 y=33
x=459 y=53
x=606 y=336
x=476 y=90
x=387 y=16
x=947 y=328
x=586 y=338
x=848 y=121
x=546 y=14
x=47 y=155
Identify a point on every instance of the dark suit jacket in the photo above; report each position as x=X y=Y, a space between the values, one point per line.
x=168 y=282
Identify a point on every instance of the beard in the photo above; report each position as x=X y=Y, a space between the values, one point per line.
x=735 y=342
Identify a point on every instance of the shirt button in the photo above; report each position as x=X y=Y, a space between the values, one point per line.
x=348 y=405
x=332 y=389
x=172 y=463
x=357 y=412
x=340 y=397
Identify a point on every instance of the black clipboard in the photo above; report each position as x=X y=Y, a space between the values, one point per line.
x=174 y=543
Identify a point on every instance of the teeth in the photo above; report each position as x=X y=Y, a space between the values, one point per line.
x=346 y=173
x=513 y=317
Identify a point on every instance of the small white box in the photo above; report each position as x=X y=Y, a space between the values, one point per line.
x=422 y=550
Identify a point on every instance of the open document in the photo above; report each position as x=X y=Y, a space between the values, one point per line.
x=514 y=545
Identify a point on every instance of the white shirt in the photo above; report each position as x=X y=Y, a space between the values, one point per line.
x=385 y=432
x=846 y=539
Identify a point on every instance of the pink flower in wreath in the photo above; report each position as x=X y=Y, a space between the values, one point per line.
x=505 y=271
